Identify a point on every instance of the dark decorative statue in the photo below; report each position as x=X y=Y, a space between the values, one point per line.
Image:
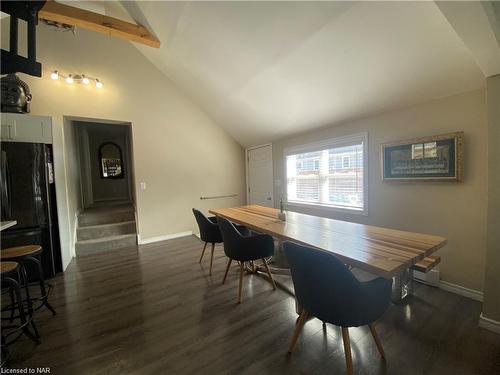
x=16 y=96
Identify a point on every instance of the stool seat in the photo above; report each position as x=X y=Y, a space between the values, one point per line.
x=20 y=251
x=8 y=266
x=29 y=256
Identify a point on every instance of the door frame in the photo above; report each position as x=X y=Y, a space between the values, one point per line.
x=247 y=159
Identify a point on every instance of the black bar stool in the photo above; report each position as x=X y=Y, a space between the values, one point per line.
x=25 y=255
x=10 y=273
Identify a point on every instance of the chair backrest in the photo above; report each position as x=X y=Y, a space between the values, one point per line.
x=324 y=286
x=209 y=231
x=232 y=239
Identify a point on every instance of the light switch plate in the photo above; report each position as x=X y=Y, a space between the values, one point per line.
x=143 y=186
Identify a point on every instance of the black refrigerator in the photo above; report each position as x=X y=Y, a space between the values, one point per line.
x=27 y=194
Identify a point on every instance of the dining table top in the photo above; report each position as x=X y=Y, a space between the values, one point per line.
x=381 y=251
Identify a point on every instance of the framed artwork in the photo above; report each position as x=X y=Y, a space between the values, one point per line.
x=434 y=158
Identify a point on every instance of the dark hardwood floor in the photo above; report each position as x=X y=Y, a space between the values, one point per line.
x=156 y=311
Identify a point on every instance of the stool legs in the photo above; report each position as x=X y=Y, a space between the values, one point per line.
x=25 y=281
x=5 y=352
x=42 y=285
x=20 y=306
x=12 y=305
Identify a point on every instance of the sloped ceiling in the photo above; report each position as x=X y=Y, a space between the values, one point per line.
x=267 y=70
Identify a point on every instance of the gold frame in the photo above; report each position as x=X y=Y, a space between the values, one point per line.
x=459 y=144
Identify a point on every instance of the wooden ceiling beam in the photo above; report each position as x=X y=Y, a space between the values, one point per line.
x=61 y=13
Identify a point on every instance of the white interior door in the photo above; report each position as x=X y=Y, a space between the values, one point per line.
x=260 y=175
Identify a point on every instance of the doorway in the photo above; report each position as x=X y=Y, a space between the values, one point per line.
x=105 y=157
x=260 y=175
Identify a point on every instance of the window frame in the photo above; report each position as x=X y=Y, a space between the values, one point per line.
x=322 y=145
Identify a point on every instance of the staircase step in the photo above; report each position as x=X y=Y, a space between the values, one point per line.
x=105 y=230
x=91 y=218
x=105 y=243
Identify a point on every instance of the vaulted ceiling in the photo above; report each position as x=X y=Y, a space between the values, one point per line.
x=266 y=70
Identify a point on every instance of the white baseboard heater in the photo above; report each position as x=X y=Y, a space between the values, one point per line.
x=430 y=278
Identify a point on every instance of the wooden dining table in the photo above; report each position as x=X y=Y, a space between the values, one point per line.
x=380 y=251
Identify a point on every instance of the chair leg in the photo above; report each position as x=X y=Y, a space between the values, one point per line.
x=203 y=251
x=347 y=350
x=242 y=271
x=298 y=328
x=377 y=340
x=227 y=270
x=269 y=273
x=211 y=259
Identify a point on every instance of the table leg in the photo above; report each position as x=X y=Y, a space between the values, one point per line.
x=279 y=261
x=402 y=286
x=278 y=266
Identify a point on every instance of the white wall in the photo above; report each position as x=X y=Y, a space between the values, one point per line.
x=178 y=150
x=456 y=211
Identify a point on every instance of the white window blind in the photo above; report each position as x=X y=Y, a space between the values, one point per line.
x=331 y=174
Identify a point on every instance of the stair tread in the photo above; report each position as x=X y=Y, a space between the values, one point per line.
x=113 y=218
x=107 y=209
x=108 y=238
x=94 y=226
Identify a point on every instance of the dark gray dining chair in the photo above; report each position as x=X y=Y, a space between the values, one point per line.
x=209 y=233
x=326 y=289
x=245 y=247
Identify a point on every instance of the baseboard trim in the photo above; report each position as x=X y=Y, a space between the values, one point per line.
x=165 y=237
x=489 y=324
x=461 y=290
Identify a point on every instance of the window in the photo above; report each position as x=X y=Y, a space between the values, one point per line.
x=346 y=161
x=330 y=173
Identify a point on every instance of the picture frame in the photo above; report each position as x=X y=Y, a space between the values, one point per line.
x=425 y=159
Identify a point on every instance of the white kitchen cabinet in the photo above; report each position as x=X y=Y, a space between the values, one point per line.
x=26 y=128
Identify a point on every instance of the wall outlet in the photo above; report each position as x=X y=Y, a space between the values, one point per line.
x=143 y=186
